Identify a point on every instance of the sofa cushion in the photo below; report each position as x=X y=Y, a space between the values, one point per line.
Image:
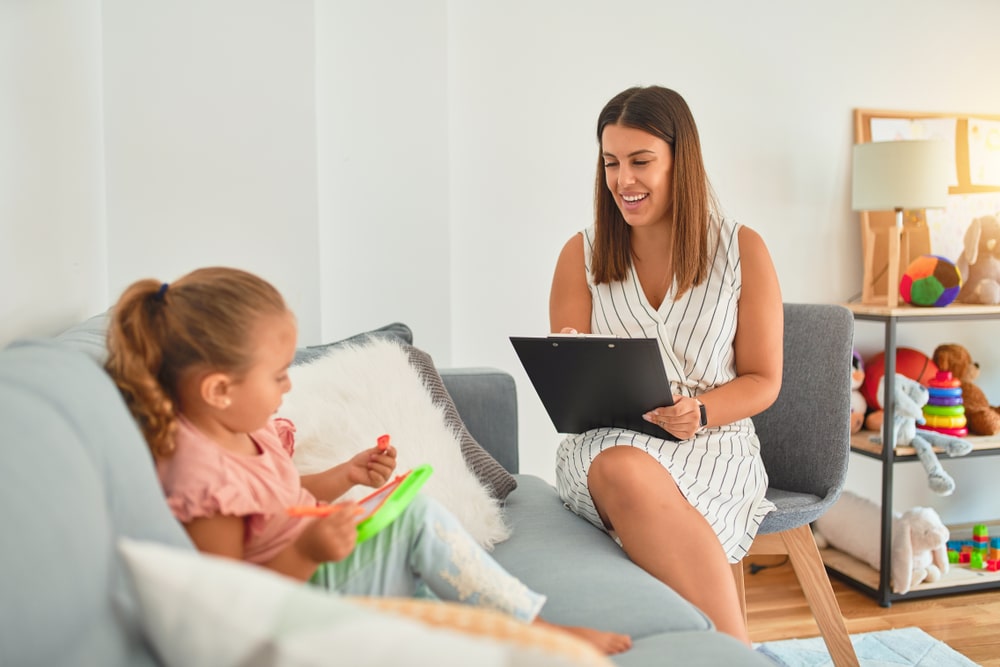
x=343 y=401
x=396 y=331
x=208 y=611
x=76 y=474
x=618 y=595
x=693 y=649
x=487 y=469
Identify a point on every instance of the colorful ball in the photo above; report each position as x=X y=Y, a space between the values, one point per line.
x=930 y=280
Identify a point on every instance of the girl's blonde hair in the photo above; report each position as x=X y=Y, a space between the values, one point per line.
x=158 y=331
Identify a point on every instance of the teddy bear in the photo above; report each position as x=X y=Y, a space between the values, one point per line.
x=859 y=406
x=979 y=263
x=981 y=417
x=919 y=539
x=910 y=398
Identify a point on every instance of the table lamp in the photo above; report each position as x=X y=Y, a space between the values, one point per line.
x=897 y=175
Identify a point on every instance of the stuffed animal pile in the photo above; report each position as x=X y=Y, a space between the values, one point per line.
x=919 y=539
x=909 y=400
x=981 y=417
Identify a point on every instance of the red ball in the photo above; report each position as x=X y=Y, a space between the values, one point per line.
x=909 y=362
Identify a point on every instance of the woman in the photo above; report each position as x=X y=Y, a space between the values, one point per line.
x=661 y=262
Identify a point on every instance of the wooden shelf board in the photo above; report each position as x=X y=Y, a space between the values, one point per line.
x=862 y=441
x=905 y=310
x=957 y=575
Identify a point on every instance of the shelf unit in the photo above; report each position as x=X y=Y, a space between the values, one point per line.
x=859 y=575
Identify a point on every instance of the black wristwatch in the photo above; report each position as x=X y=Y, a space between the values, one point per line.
x=704 y=416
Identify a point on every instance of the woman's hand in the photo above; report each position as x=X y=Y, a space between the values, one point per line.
x=333 y=537
x=372 y=467
x=682 y=419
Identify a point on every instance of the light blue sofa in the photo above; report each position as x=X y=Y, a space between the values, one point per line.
x=75 y=474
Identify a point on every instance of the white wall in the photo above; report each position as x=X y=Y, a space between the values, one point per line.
x=210 y=126
x=425 y=162
x=382 y=99
x=53 y=244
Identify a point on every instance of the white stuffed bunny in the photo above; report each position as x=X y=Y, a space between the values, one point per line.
x=919 y=539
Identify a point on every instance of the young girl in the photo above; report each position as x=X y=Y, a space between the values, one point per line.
x=203 y=365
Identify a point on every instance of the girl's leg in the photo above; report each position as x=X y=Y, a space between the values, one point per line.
x=664 y=534
x=427 y=544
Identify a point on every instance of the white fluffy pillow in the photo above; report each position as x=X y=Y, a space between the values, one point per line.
x=205 y=611
x=340 y=404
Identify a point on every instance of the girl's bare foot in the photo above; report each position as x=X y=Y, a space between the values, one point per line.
x=608 y=643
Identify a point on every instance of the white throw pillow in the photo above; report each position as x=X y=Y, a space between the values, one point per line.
x=341 y=402
x=205 y=611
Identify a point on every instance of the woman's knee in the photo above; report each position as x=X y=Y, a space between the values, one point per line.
x=623 y=467
x=627 y=476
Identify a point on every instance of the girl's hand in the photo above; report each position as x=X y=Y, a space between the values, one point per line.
x=682 y=419
x=333 y=537
x=372 y=467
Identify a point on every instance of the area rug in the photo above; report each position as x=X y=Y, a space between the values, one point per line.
x=886 y=648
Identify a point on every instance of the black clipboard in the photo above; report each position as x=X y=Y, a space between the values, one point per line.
x=587 y=381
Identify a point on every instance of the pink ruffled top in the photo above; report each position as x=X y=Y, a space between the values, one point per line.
x=202 y=479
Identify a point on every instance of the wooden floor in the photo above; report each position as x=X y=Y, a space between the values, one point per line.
x=776 y=609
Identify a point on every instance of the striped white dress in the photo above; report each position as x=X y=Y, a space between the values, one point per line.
x=719 y=470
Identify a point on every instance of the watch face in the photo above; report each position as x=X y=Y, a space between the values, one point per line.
x=704 y=415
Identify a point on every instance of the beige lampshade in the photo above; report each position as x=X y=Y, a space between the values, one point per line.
x=900 y=174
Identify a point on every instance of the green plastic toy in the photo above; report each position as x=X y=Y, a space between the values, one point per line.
x=389 y=501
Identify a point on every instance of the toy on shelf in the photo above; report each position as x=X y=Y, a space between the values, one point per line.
x=980 y=553
x=979 y=262
x=982 y=418
x=912 y=363
x=919 y=539
x=859 y=406
x=909 y=400
x=944 y=411
x=930 y=280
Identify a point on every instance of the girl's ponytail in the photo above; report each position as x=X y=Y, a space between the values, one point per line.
x=135 y=361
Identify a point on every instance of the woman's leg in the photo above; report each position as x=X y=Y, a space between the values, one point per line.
x=664 y=534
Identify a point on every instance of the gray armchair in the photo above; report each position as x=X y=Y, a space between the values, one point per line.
x=805 y=443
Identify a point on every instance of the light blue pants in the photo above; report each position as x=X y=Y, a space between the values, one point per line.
x=426 y=548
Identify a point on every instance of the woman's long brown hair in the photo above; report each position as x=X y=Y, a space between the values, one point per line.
x=662 y=113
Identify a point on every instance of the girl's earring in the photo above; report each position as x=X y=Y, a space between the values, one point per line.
x=226 y=402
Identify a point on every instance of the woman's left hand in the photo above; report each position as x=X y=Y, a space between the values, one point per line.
x=682 y=419
x=372 y=467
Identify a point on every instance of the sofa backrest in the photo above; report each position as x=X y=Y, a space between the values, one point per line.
x=75 y=474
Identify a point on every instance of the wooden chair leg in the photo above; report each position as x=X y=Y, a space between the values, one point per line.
x=741 y=590
x=815 y=583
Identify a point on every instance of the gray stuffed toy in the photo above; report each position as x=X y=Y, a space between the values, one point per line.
x=910 y=398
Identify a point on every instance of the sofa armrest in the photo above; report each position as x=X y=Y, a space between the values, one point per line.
x=486 y=399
